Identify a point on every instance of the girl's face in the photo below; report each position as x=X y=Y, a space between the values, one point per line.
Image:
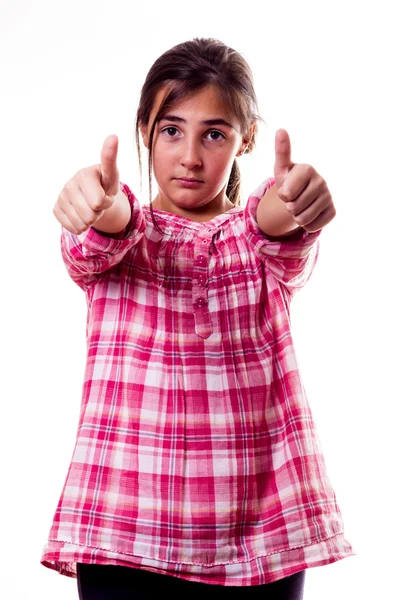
x=194 y=147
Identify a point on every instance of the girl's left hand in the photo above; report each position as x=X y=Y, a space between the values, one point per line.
x=305 y=193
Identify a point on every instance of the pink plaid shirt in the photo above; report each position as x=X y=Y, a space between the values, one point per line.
x=196 y=453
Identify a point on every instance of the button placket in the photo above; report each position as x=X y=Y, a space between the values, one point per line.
x=199 y=285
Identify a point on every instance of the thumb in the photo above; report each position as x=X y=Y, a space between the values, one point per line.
x=109 y=175
x=283 y=161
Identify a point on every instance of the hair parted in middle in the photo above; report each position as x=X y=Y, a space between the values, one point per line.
x=184 y=70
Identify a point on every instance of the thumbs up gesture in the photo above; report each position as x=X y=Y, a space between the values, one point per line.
x=92 y=191
x=304 y=192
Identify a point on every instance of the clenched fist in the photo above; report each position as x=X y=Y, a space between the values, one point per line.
x=86 y=197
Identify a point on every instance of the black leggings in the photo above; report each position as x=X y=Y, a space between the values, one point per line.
x=112 y=582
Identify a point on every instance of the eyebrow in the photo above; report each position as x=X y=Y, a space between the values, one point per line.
x=176 y=119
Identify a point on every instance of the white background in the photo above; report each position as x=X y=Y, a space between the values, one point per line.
x=326 y=71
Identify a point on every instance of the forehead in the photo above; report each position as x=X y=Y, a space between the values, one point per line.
x=204 y=104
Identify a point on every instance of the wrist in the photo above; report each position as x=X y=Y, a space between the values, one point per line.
x=117 y=217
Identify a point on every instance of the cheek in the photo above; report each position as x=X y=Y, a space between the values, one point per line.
x=161 y=161
x=221 y=164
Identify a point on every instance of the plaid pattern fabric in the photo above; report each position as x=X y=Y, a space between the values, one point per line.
x=196 y=453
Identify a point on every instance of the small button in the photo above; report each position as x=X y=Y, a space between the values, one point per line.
x=205 y=241
x=200 y=280
x=200 y=302
x=201 y=259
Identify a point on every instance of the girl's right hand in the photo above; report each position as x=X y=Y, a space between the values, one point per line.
x=84 y=198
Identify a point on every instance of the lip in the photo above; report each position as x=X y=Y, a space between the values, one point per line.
x=189 y=179
x=187 y=182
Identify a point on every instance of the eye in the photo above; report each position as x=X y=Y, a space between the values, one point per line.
x=170 y=131
x=217 y=136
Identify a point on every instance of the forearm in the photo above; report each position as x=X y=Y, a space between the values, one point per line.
x=117 y=217
x=272 y=216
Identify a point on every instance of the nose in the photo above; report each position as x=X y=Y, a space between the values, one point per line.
x=190 y=156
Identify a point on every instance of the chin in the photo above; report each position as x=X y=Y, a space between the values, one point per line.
x=189 y=201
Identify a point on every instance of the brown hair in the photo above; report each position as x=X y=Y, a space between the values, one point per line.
x=187 y=68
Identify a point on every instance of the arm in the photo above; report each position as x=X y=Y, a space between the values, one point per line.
x=91 y=253
x=288 y=259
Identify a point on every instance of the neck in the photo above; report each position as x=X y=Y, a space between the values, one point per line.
x=199 y=214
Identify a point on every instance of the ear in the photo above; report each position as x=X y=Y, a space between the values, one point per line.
x=247 y=141
x=243 y=147
x=145 y=137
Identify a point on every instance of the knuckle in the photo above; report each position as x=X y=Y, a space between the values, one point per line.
x=284 y=194
x=290 y=207
x=309 y=169
x=300 y=220
x=61 y=199
x=71 y=182
x=81 y=173
x=96 y=204
x=69 y=189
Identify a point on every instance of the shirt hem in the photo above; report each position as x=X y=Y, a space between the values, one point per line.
x=62 y=556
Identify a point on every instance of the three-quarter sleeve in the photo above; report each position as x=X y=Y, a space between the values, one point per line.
x=91 y=253
x=291 y=260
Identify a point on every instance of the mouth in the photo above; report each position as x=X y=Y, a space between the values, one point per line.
x=188 y=182
x=189 y=179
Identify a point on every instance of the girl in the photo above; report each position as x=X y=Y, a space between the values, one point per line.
x=197 y=466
